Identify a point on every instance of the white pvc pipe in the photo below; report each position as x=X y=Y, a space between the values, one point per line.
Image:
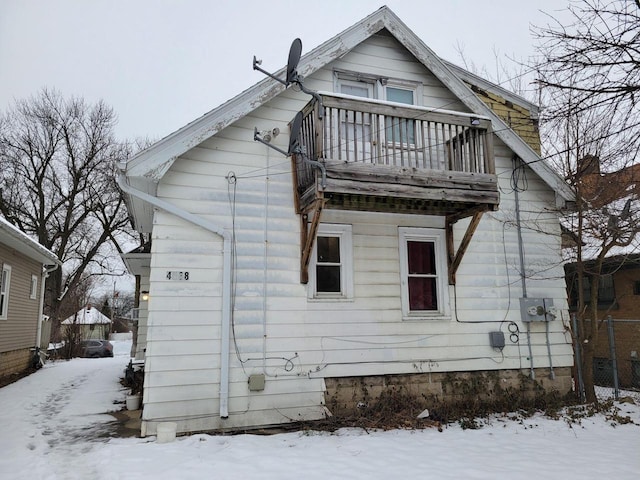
x=226 y=277
x=43 y=278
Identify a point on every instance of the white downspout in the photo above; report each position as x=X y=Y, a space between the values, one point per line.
x=43 y=278
x=226 y=277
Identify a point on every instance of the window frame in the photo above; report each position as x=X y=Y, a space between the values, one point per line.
x=438 y=238
x=344 y=232
x=340 y=78
x=5 y=288
x=33 y=291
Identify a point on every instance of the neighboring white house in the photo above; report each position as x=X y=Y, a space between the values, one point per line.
x=25 y=265
x=92 y=323
x=413 y=234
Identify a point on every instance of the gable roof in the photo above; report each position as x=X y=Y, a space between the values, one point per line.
x=17 y=240
x=145 y=170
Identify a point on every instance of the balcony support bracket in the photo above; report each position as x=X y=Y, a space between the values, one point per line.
x=455 y=257
x=308 y=231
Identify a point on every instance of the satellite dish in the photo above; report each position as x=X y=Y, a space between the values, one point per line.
x=291 y=74
x=295 y=132
x=294 y=58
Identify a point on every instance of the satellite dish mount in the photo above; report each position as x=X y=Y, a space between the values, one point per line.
x=292 y=76
x=292 y=65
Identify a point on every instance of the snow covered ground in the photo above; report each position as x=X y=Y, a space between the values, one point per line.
x=54 y=426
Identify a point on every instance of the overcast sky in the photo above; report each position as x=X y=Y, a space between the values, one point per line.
x=162 y=63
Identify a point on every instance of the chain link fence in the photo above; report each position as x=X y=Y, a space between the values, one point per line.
x=616 y=371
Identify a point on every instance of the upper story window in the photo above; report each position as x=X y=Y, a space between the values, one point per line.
x=359 y=136
x=332 y=263
x=423 y=271
x=5 y=282
x=356 y=88
x=400 y=130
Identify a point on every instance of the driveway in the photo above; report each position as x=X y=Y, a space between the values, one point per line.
x=63 y=409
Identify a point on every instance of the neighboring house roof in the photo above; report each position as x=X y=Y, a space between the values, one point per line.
x=611 y=264
x=21 y=242
x=601 y=189
x=147 y=168
x=87 y=316
x=612 y=204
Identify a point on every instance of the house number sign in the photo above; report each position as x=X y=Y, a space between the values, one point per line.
x=177 y=276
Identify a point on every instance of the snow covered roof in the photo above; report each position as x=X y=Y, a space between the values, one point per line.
x=87 y=316
x=21 y=242
x=147 y=168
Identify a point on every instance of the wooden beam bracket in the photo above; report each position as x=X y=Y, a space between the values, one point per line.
x=455 y=257
x=308 y=236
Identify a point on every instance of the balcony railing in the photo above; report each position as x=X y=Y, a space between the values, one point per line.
x=361 y=139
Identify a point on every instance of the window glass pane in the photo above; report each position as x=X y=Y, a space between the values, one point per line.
x=400 y=130
x=400 y=95
x=328 y=278
x=606 y=292
x=328 y=249
x=3 y=291
x=355 y=90
x=421 y=258
x=422 y=293
x=34 y=287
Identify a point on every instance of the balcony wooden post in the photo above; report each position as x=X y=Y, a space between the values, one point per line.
x=319 y=131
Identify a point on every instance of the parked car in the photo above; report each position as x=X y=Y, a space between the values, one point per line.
x=96 y=348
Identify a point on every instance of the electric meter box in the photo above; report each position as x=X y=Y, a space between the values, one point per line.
x=537 y=309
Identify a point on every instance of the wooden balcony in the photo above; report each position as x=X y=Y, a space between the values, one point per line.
x=378 y=156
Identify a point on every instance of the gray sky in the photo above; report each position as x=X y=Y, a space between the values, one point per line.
x=162 y=63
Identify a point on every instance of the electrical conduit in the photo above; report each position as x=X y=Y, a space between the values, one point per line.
x=226 y=277
x=523 y=277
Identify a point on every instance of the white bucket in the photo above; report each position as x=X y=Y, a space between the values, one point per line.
x=166 y=432
x=133 y=402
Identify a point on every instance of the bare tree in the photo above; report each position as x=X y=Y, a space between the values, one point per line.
x=589 y=72
x=56 y=183
x=597 y=58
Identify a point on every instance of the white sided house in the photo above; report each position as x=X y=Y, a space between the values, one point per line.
x=412 y=237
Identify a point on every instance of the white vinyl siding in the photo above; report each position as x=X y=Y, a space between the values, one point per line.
x=279 y=328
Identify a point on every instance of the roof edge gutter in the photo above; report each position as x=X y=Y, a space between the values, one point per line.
x=226 y=276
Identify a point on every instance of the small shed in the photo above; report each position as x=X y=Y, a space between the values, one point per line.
x=92 y=324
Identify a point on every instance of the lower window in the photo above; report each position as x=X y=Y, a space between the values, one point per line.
x=331 y=263
x=423 y=271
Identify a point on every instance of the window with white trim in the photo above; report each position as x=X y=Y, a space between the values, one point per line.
x=423 y=270
x=355 y=127
x=331 y=266
x=400 y=130
x=5 y=282
x=33 y=292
